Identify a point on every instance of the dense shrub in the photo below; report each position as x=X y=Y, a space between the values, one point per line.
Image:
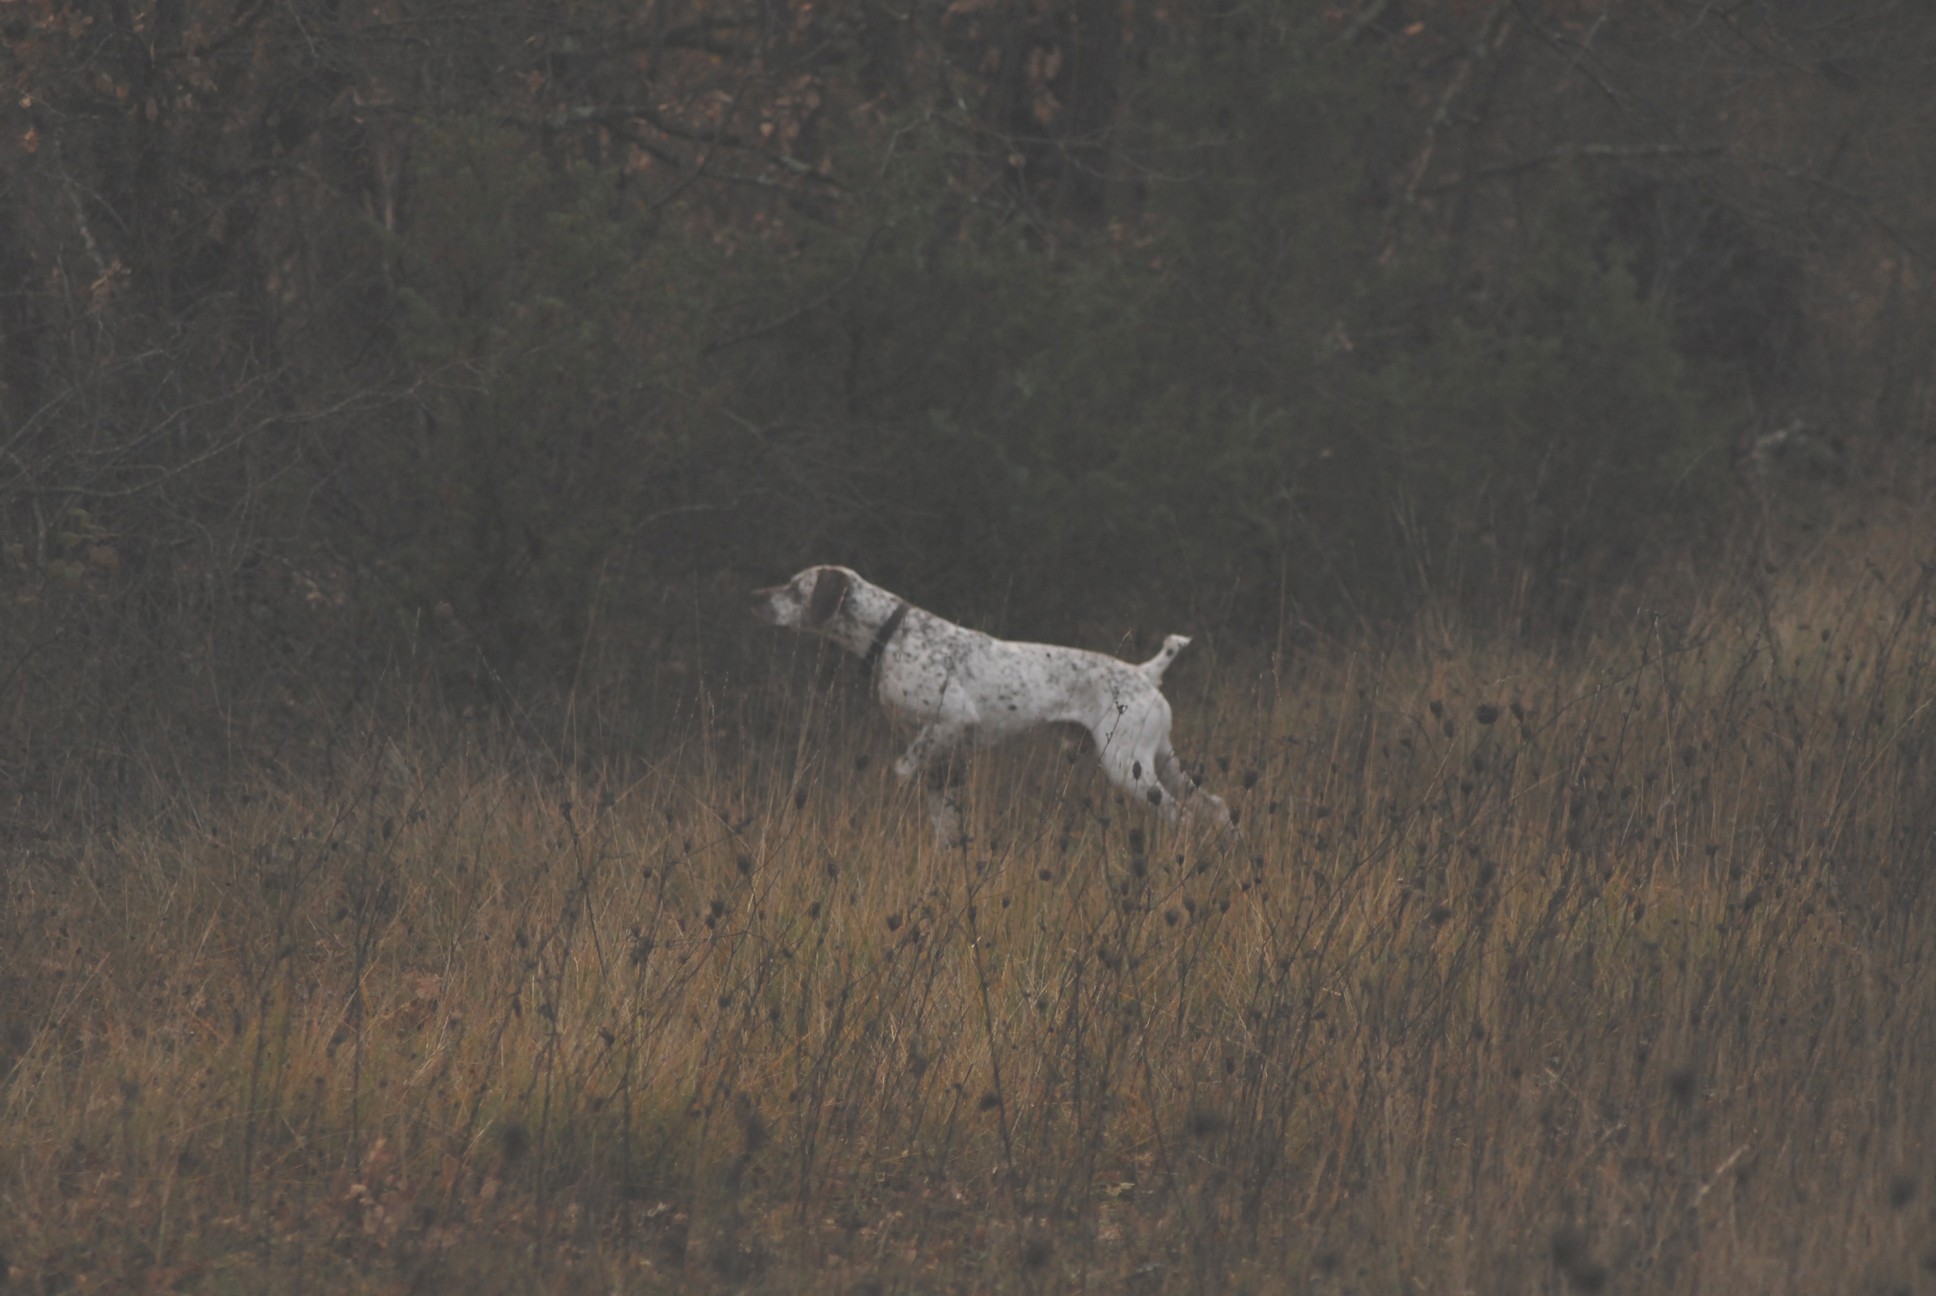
x=507 y=354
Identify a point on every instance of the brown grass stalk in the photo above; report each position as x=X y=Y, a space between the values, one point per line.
x=1605 y=969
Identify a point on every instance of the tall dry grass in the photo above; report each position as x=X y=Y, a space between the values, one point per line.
x=1612 y=969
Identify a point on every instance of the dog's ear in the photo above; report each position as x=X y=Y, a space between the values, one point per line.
x=829 y=592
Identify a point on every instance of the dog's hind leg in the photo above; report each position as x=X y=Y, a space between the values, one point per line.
x=1195 y=801
x=1133 y=769
x=944 y=805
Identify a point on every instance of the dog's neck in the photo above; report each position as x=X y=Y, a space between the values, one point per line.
x=861 y=625
x=882 y=637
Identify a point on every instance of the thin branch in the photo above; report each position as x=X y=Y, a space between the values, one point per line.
x=1370 y=14
x=732 y=107
x=860 y=263
x=1490 y=40
x=1582 y=152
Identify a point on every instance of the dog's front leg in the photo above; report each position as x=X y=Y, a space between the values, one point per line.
x=944 y=815
x=934 y=751
x=935 y=740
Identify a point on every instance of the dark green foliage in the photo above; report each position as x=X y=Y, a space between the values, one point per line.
x=1542 y=412
x=529 y=323
x=1241 y=397
x=515 y=351
x=1230 y=403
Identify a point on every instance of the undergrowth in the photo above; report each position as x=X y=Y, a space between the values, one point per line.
x=1529 y=971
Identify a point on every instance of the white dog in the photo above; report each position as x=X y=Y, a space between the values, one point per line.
x=967 y=689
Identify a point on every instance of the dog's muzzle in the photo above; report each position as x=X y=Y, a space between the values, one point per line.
x=764 y=605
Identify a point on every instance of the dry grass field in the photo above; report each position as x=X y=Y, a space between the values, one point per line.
x=1604 y=970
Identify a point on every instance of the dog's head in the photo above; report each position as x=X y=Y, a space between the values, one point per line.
x=808 y=601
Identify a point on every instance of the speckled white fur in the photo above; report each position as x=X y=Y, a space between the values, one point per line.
x=964 y=689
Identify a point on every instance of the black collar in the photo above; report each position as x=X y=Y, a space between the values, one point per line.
x=882 y=636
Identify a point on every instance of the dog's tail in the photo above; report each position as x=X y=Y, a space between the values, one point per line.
x=1153 y=668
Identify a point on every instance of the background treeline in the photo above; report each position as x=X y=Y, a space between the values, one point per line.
x=504 y=345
